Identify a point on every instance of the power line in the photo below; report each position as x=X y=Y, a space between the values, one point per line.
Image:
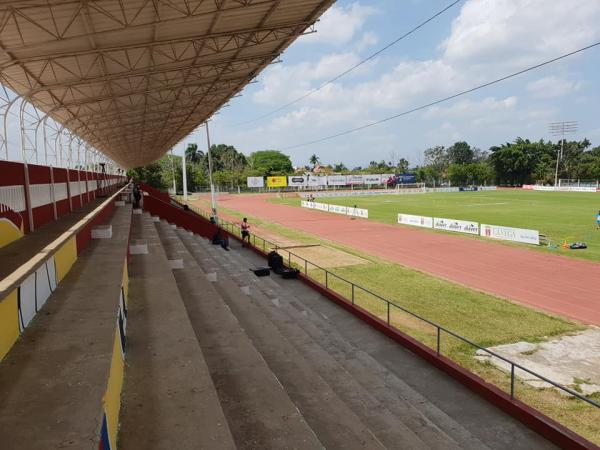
x=445 y=99
x=354 y=67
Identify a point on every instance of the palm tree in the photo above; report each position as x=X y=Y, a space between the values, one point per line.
x=314 y=160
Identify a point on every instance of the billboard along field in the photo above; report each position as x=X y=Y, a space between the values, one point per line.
x=559 y=215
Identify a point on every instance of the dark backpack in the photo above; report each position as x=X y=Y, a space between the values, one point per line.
x=275 y=260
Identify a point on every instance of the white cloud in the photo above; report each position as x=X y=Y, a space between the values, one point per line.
x=513 y=33
x=488 y=39
x=340 y=24
x=367 y=40
x=553 y=87
x=470 y=108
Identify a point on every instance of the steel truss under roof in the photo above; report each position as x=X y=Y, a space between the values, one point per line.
x=134 y=77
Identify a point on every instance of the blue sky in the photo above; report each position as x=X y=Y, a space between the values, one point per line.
x=476 y=41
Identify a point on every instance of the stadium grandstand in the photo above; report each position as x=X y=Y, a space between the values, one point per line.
x=121 y=326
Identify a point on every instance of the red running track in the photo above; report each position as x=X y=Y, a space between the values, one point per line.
x=557 y=284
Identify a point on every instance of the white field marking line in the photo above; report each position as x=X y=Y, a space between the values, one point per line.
x=10 y=282
x=486 y=204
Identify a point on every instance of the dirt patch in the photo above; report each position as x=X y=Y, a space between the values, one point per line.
x=322 y=255
x=325 y=257
x=572 y=361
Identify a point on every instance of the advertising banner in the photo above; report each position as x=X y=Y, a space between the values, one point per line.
x=338 y=209
x=354 y=179
x=372 y=179
x=336 y=180
x=387 y=177
x=274 y=182
x=306 y=204
x=255 y=182
x=321 y=206
x=358 y=212
x=297 y=180
x=416 y=221
x=511 y=234
x=458 y=226
x=406 y=178
x=315 y=181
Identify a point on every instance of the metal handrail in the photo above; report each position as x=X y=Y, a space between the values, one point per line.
x=439 y=328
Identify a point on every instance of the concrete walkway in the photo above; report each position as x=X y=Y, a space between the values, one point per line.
x=54 y=378
x=19 y=252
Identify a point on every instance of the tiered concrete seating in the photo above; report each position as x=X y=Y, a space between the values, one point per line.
x=169 y=399
x=353 y=387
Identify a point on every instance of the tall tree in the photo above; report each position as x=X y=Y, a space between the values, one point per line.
x=270 y=162
x=460 y=153
x=314 y=160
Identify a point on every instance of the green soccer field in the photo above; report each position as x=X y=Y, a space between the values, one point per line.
x=558 y=215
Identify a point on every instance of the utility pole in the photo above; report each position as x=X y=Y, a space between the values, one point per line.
x=561 y=129
x=173 y=171
x=184 y=164
x=213 y=198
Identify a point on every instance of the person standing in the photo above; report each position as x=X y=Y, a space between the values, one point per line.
x=137 y=195
x=598 y=220
x=245 y=232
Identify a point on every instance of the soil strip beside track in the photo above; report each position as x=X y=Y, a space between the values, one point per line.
x=552 y=283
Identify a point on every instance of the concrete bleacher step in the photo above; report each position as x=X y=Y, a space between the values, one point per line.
x=342 y=414
x=341 y=364
x=169 y=399
x=54 y=379
x=466 y=417
x=390 y=431
x=433 y=426
x=259 y=411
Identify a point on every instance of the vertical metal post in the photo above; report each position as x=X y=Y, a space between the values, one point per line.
x=326 y=280
x=184 y=171
x=353 y=293
x=213 y=198
x=512 y=380
x=388 y=313
x=289 y=259
x=79 y=174
x=305 y=267
x=439 y=333
x=25 y=168
x=87 y=187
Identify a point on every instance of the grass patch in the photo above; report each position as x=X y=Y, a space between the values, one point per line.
x=559 y=215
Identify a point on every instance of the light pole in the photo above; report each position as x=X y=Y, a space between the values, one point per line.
x=184 y=171
x=173 y=172
x=561 y=129
x=213 y=198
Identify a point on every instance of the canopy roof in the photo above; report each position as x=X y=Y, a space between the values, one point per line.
x=134 y=77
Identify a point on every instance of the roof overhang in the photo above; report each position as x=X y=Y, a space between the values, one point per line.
x=134 y=77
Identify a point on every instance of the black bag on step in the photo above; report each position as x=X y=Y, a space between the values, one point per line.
x=289 y=274
x=262 y=272
x=275 y=261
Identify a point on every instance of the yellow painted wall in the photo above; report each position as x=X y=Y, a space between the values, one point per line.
x=64 y=258
x=8 y=232
x=112 y=397
x=9 y=323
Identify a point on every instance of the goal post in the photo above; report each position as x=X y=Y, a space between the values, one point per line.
x=564 y=182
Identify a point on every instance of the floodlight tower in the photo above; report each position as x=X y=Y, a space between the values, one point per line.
x=561 y=129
